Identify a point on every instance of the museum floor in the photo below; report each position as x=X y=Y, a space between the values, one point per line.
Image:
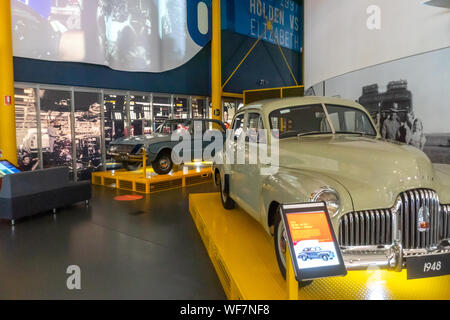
x=146 y=249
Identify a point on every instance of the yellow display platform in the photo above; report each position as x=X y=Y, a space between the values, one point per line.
x=151 y=182
x=244 y=258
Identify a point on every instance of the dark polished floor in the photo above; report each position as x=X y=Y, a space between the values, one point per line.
x=146 y=249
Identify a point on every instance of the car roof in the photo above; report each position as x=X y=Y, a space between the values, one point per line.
x=267 y=106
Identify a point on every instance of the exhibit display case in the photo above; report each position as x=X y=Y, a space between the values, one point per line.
x=140 y=115
x=116 y=118
x=162 y=110
x=27 y=128
x=181 y=108
x=73 y=126
x=87 y=133
x=199 y=110
x=56 y=128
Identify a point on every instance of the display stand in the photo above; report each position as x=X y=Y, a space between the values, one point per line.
x=147 y=181
x=243 y=256
x=292 y=283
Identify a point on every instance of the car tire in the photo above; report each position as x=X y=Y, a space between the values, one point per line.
x=227 y=202
x=217 y=179
x=280 y=244
x=281 y=256
x=163 y=163
x=131 y=166
x=325 y=258
x=304 y=258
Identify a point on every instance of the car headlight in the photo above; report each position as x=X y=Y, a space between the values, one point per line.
x=330 y=197
x=113 y=148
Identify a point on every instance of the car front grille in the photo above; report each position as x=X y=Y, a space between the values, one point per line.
x=374 y=227
x=445 y=222
x=371 y=227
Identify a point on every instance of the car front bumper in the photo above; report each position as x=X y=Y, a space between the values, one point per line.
x=391 y=257
x=126 y=157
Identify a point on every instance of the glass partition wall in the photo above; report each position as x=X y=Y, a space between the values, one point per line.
x=198 y=107
x=56 y=128
x=28 y=144
x=73 y=126
x=140 y=115
x=162 y=110
x=88 y=137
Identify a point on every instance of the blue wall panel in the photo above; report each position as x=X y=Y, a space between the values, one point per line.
x=264 y=63
x=194 y=77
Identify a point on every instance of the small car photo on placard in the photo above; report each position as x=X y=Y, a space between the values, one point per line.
x=312 y=240
x=315 y=254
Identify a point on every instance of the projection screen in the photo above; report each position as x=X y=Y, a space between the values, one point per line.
x=130 y=35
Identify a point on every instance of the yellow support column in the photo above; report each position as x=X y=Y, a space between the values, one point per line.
x=7 y=113
x=291 y=282
x=144 y=162
x=216 y=62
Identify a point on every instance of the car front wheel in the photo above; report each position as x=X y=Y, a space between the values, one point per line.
x=280 y=243
x=281 y=247
x=163 y=163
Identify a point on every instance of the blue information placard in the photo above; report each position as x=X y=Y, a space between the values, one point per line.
x=251 y=16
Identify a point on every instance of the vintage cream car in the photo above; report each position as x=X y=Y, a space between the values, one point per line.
x=386 y=200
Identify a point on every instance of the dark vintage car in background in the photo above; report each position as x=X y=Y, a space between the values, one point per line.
x=159 y=145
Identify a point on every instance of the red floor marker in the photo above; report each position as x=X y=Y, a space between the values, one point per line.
x=128 y=197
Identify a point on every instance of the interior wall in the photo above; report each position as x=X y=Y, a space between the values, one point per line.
x=400 y=72
x=338 y=40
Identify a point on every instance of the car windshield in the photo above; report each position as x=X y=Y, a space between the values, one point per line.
x=169 y=127
x=312 y=120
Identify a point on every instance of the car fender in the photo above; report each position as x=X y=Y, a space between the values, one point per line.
x=295 y=186
x=223 y=168
x=155 y=148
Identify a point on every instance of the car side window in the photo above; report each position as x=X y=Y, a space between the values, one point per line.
x=255 y=123
x=238 y=125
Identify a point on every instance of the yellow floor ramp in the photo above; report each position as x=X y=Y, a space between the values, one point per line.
x=243 y=255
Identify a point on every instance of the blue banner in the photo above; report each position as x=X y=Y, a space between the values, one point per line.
x=251 y=16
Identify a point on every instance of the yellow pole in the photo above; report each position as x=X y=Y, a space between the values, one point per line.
x=292 y=283
x=216 y=62
x=144 y=162
x=7 y=113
